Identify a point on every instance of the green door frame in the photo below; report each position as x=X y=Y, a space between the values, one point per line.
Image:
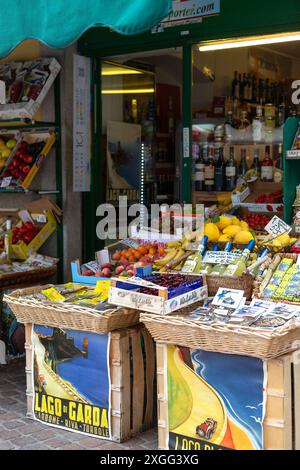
x=237 y=19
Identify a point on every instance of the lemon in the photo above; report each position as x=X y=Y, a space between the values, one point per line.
x=232 y=230
x=225 y=238
x=235 y=221
x=11 y=143
x=243 y=237
x=5 y=152
x=244 y=225
x=212 y=232
x=224 y=222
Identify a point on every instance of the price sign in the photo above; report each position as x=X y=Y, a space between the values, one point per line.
x=6 y=182
x=276 y=227
x=131 y=243
x=220 y=257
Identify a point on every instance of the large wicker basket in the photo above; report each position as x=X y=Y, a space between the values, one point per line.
x=70 y=316
x=228 y=339
x=27 y=278
x=244 y=282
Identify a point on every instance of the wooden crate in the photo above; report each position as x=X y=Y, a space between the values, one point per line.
x=133 y=381
x=282 y=418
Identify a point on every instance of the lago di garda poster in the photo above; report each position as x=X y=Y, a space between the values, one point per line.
x=215 y=401
x=71 y=380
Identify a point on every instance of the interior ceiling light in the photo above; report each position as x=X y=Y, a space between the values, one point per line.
x=111 y=71
x=128 y=92
x=249 y=41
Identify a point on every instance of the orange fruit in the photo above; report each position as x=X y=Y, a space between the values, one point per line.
x=152 y=251
x=131 y=259
x=124 y=253
x=161 y=250
x=116 y=256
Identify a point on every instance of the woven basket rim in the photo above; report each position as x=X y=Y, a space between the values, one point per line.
x=270 y=334
x=32 y=272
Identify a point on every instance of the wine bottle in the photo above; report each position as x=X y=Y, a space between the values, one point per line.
x=257 y=125
x=243 y=164
x=219 y=269
x=230 y=171
x=237 y=267
x=256 y=164
x=209 y=172
x=235 y=86
x=199 y=172
x=267 y=166
x=220 y=171
x=8 y=240
x=194 y=259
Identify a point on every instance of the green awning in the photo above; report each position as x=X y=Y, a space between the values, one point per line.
x=58 y=23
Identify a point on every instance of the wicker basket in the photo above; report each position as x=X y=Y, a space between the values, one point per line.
x=226 y=339
x=244 y=282
x=33 y=277
x=70 y=316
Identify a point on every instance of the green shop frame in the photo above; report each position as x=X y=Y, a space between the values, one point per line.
x=236 y=20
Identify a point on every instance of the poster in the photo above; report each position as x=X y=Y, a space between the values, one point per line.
x=124 y=156
x=215 y=401
x=71 y=380
x=82 y=123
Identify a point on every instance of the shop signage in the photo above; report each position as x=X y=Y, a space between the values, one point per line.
x=189 y=11
x=71 y=385
x=215 y=401
x=81 y=124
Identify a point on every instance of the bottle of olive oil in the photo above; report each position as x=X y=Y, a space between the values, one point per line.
x=196 y=258
x=238 y=266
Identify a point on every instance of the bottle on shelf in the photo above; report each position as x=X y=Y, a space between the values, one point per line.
x=209 y=171
x=270 y=113
x=257 y=125
x=244 y=88
x=171 y=120
x=250 y=89
x=235 y=86
x=267 y=166
x=242 y=169
x=241 y=90
x=254 y=90
x=244 y=122
x=282 y=114
x=278 y=168
x=220 y=171
x=196 y=258
x=256 y=164
x=237 y=267
x=230 y=171
x=199 y=172
x=219 y=269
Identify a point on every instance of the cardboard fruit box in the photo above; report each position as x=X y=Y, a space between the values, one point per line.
x=164 y=300
x=33 y=80
x=46 y=223
x=257 y=189
x=36 y=156
x=6 y=152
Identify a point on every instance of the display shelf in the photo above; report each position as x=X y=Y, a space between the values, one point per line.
x=27 y=124
x=204 y=196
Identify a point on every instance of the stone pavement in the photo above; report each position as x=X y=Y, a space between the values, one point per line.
x=19 y=432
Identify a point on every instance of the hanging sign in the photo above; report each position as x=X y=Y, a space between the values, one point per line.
x=215 y=401
x=71 y=381
x=189 y=11
x=81 y=124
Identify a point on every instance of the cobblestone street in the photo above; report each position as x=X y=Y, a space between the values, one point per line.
x=18 y=432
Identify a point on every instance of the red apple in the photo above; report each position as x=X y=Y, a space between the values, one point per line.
x=106 y=265
x=119 y=270
x=106 y=272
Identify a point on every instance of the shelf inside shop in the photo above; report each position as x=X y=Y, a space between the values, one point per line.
x=23 y=191
x=31 y=125
x=162 y=164
x=205 y=196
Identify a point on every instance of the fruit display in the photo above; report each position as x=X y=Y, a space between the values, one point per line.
x=282 y=243
x=6 y=147
x=270 y=198
x=124 y=262
x=256 y=221
x=22 y=161
x=226 y=228
x=170 y=281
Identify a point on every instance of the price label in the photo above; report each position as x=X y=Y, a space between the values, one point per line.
x=220 y=257
x=131 y=243
x=276 y=227
x=6 y=182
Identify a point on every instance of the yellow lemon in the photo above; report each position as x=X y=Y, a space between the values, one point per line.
x=243 y=237
x=225 y=238
x=212 y=232
x=235 y=221
x=224 y=222
x=244 y=225
x=232 y=230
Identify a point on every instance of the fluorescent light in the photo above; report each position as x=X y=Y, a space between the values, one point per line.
x=109 y=72
x=250 y=41
x=127 y=91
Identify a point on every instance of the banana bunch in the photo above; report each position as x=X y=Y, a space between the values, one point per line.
x=224 y=202
x=173 y=254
